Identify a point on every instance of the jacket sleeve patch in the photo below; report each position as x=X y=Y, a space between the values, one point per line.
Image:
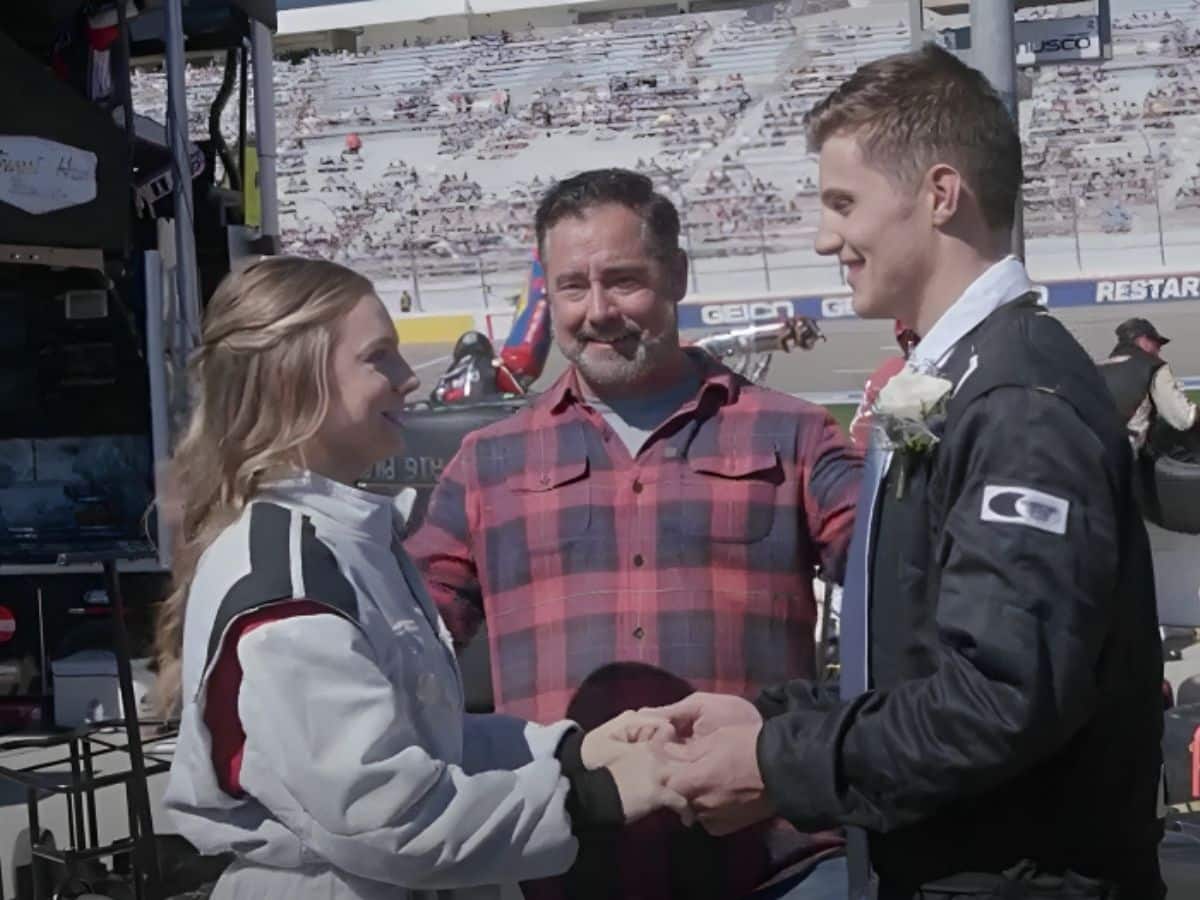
x=1013 y=505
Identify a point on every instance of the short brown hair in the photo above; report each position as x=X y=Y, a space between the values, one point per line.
x=598 y=187
x=913 y=110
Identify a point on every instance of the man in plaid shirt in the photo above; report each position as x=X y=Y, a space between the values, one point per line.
x=651 y=505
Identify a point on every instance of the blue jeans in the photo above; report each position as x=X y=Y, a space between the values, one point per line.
x=830 y=880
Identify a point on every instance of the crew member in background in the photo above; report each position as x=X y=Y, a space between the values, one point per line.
x=861 y=424
x=475 y=373
x=1144 y=388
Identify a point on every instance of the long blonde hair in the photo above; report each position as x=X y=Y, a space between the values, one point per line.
x=259 y=385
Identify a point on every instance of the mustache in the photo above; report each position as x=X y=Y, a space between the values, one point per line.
x=587 y=334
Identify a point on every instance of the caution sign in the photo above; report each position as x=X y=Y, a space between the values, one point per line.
x=8 y=625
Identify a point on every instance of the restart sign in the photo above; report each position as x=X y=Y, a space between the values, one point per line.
x=1137 y=290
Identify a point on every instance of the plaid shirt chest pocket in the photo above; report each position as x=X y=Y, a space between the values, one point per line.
x=728 y=498
x=554 y=503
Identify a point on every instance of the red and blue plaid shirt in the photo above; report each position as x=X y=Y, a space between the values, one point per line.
x=696 y=555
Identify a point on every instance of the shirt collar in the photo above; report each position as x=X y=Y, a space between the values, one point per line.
x=1001 y=283
x=360 y=511
x=567 y=390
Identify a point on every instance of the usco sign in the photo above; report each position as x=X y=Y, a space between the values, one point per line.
x=1038 y=41
x=1078 y=42
x=1058 y=40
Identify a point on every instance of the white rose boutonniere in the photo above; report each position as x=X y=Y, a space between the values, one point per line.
x=910 y=412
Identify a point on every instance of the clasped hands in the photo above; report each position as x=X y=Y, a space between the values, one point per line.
x=697 y=757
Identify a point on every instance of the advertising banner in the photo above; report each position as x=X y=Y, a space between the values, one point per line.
x=725 y=314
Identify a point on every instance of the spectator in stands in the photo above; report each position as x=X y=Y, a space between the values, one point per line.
x=648 y=506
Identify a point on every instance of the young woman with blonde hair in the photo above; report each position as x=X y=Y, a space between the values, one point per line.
x=322 y=734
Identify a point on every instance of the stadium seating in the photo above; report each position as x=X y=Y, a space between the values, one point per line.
x=459 y=138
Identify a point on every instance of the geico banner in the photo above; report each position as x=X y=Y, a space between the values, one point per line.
x=837 y=307
x=749 y=313
x=735 y=313
x=1135 y=289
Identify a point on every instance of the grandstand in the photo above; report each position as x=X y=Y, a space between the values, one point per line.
x=431 y=156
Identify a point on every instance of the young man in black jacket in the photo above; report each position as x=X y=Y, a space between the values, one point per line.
x=999 y=726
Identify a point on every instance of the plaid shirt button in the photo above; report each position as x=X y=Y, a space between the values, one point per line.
x=638 y=559
x=637 y=487
x=639 y=632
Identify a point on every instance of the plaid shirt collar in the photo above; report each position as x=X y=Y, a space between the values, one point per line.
x=715 y=377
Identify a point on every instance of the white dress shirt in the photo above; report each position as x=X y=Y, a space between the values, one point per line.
x=1002 y=283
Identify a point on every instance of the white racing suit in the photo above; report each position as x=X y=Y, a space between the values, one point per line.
x=360 y=776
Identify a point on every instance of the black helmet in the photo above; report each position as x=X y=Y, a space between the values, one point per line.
x=472 y=343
